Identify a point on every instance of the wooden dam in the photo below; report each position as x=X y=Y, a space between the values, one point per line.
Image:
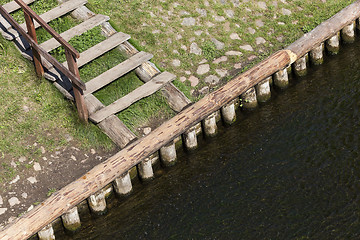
x=252 y=86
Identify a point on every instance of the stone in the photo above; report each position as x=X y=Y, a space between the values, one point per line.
x=237 y=65
x=194 y=48
x=37 y=166
x=184 y=13
x=229 y=13
x=68 y=138
x=259 y=23
x=234 y=36
x=285 y=11
x=221 y=72
x=219 y=45
x=22 y=159
x=13 y=201
x=183 y=47
x=212 y=79
x=176 y=63
x=210 y=24
x=32 y=180
x=198 y=33
x=24 y=195
x=220 y=59
x=13 y=164
x=92 y=151
x=17 y=178
x=251 y=30
x=204 y=90
x=236 y=3
x=281 y=23
x=188 y=21
x=227 y=26
x=191 y=39
x=2 y=210
x=202 y=69
x=260 y=40
x=30 y=208
x=252 y=57
x=262 y=5
x=156 y=31
x=201 y=11
x=1 y=200
x=187 y=72
x=219 y=18
x=193 y=81
x=203 y=61
x=147 y=130
x=178 y=37
x=73 y=157
x=280 y=39
x=26 y=108
x=206 y=3
x=182 y=79
x=233 y=53
x=247 y=48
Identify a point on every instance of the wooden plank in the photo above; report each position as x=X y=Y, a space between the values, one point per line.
x=143 y=91
x=116 y=72
x=112 y=126
x=325 y=30
x=101 y=48
x=13 y=6
x=104 y=173
x=75 y=31
x=59 y=11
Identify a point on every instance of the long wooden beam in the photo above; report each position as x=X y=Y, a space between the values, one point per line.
x=104 y=173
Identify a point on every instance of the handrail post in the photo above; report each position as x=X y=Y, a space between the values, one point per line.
x=37 y=58
x=78 y=92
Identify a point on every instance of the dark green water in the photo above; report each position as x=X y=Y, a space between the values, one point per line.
x=289 y=170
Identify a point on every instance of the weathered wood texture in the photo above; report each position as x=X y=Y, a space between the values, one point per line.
x=114 y=73
x=101 y=175
x=11 y=7
x=143 y=91
x=325 y=30
x=51 y=44
x=112 y=126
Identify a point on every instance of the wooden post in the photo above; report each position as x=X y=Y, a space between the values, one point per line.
x=78 y=92
x=31 y=31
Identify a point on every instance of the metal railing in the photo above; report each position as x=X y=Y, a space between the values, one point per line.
x=71 y=54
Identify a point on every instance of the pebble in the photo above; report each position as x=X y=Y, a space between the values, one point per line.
x=247 y=48
x=201 y=11
x=193 y=81
x=13 y=201
x=202 y=69
x=13 y=164
x=259 y=23
x=204 y=90
x=178 y=37
x=68 y=138
x=187 y=72
x=219 y=18
x=2 y=210
x=22 y=159
x=176 y=63
x=182 y=79
x=251 y=30
x=233 y=53
x=237 y=65
x=262 y=5
x=252 y=57
x=212 y=79
x=219 y=45
x=198 y=33
x=286 y=12
x=188 y=21
x=203 y=61
x=227 y=26
x=73 y=157
x=1 y=200
x=235 y=36
x=92 y=151
x=221 y=72
x=210 y=24
x=24 y=195
x=194 y=48
x=229 y=13
x=260 y=40
x=220 y=59
x=17 y=178
x=26 y=108
x=147 y=130
x=32 y=180
x=37 y=166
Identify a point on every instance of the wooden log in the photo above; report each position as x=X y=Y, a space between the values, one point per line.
x=325 y=30
x=104 y=173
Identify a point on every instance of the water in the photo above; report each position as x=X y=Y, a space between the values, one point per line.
x=289 y=170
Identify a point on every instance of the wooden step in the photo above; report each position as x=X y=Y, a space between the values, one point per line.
x=98 y=19
x=92 y=53
x=101 y=48
x=145 y=90
x=50 y=15
x=116 y=72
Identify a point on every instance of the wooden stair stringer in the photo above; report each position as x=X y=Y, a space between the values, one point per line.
x=112 y=126
x=141 y=92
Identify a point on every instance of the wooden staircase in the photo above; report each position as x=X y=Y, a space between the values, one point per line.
x=103 y=116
